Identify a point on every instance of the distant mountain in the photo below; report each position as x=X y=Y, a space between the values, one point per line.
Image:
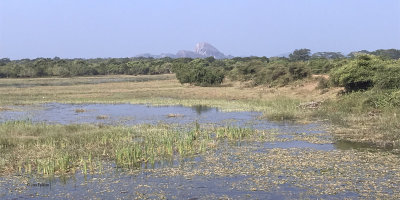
x=188 y=54
x=202 y=50
x=207 y=50
x=146 y=55
x=163 y=55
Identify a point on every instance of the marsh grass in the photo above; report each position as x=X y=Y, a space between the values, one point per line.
x=49 y=150
x=282 y=108
x=234 y=133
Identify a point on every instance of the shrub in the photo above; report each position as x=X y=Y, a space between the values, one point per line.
x=298 y=70
x=246 y=70
x=281 y=73
x=382 y=99
x=359 y=74
x=323 y=65
x=366 y=72
x=388 y=78
x=199 y=72
x=277 y=73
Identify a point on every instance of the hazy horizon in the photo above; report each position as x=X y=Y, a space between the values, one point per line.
x=92 y=29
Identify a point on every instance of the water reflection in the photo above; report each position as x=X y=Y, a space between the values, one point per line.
x=202 y=109
x=348 y=145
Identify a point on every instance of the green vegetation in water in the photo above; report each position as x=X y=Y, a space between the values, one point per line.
x=58 y=149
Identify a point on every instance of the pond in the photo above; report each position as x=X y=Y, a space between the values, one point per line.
x=132 y=114
x=302 y=161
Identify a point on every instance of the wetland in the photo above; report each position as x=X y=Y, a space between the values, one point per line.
x=157 y=139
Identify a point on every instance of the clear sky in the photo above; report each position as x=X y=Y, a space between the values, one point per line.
x=125 y=28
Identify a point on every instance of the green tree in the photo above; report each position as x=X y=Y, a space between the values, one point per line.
x=327 y=55
x=4 y=61
x=387 y=53
x=300 y=55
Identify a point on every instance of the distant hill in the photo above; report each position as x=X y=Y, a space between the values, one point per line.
x=286 y=55
x=188 y=54
x=201 y=50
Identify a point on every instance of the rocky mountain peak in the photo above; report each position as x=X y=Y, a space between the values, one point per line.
x=207 y=50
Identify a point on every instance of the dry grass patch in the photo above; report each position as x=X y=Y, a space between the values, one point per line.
x=171 y=88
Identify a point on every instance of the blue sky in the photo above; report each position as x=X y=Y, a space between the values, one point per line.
x=125 y=28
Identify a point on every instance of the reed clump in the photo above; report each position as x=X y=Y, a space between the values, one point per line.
x=80 y=110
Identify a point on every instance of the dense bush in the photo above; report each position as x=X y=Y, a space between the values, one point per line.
x=246 y=70
x=358 y=74
x=388 y=78
x=201 y=72
x=277 y=73
x=382 y=99
x=298 y=70
x=367 y=71
x=42 y=67
x=324 y=65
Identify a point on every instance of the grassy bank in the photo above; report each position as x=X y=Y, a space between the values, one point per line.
x=356 y=120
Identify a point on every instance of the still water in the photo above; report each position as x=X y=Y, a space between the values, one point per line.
x=132 y=114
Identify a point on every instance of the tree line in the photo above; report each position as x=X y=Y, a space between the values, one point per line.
x=356 y=71
x=44 y=67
